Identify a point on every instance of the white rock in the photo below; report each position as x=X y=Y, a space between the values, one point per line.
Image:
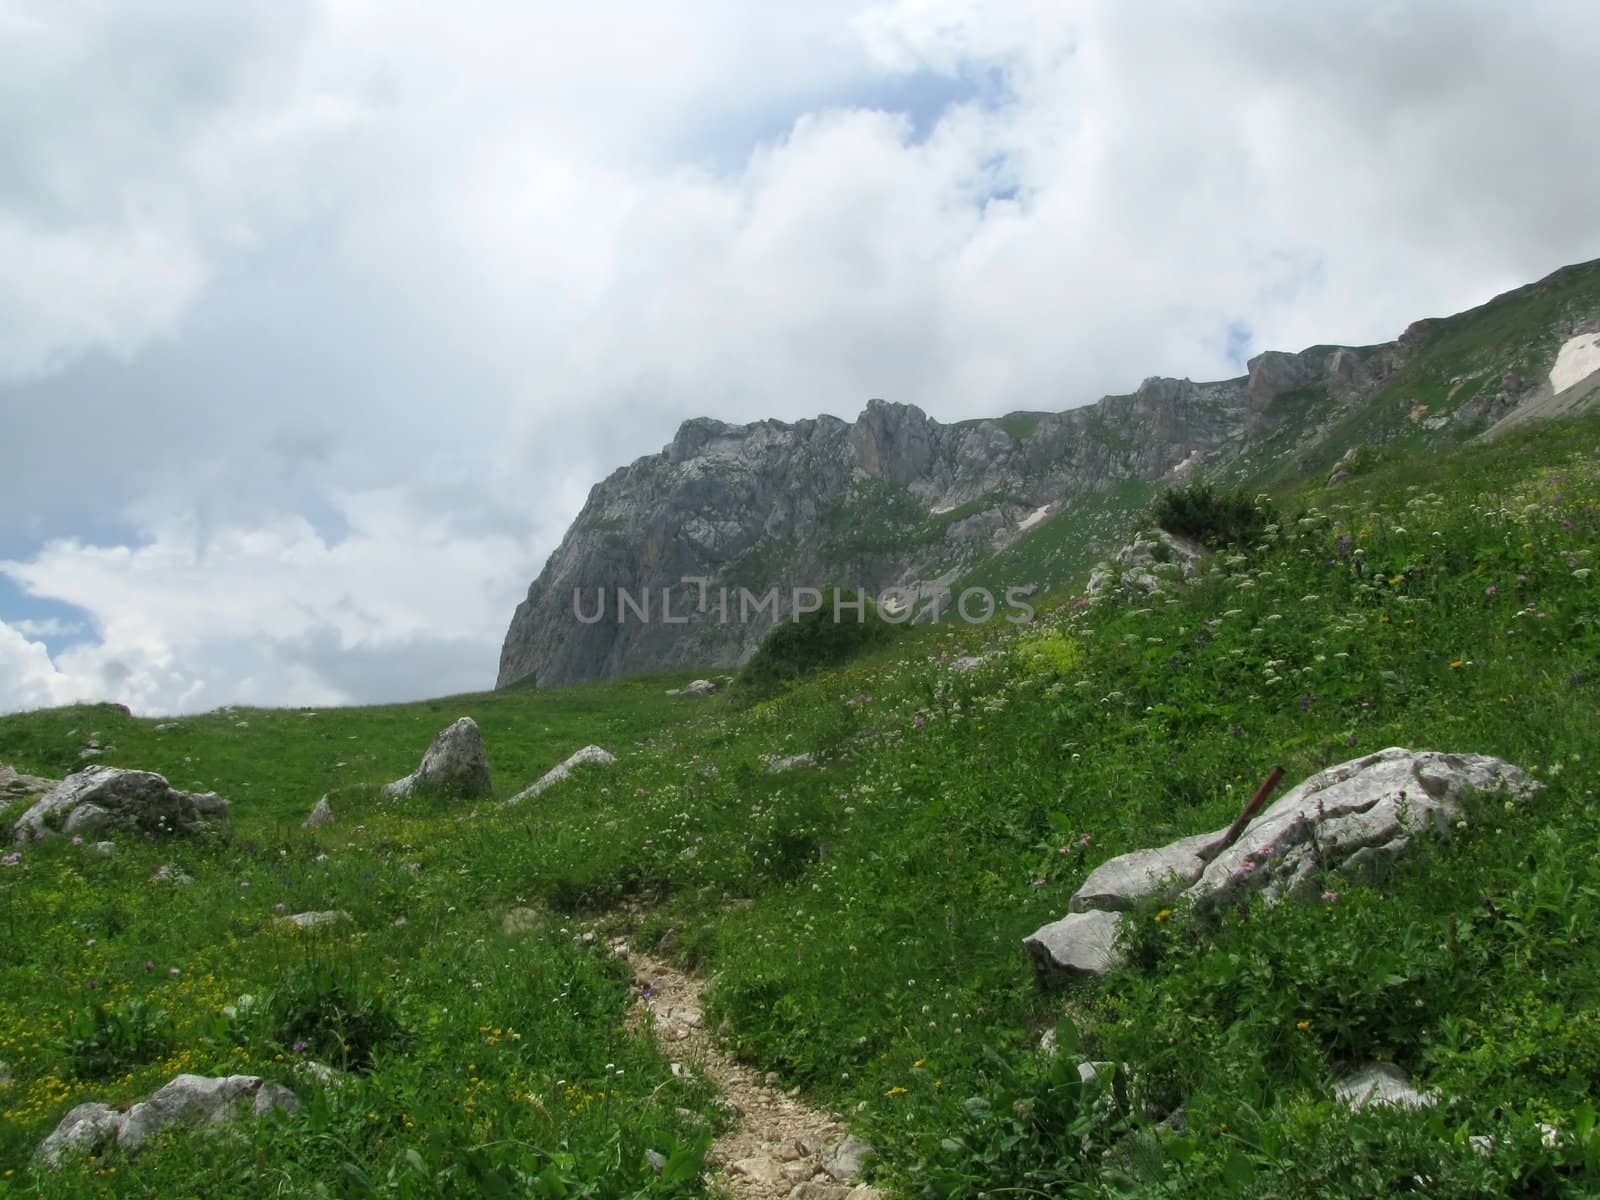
x=101 y=799
x=321 y=814
x=456 y=762
x=316 y=920
x=200 y=1100
x=588 y=755
x=87 y=1129
x=1078 y=944
x=1122 y=883
x=1381 y=1085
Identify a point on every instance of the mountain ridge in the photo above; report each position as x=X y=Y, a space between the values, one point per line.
x=898 y=500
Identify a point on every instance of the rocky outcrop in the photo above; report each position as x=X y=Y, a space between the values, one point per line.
x=589 y=755
x=456 y=764
x=189 y=1099
x=1350 y=820
x=1151 y=563
x=14 y=785
x=110 y=799
x=895 y=500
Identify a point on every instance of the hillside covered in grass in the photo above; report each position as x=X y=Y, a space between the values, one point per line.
x=859 y=919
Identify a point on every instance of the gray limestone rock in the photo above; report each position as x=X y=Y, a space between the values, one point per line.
x=456 y=763
x=589 y=755
x=109 y=799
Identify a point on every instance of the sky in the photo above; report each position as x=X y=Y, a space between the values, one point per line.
x=319 y=318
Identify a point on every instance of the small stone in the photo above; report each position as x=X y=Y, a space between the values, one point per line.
x=819 y=1191
x=100 y=849
x=845 y=1160
x=520 y=920
x=759 y=1169
x=589 y=755
x=1381 y=1085
x=321 y=814
x=316 y=920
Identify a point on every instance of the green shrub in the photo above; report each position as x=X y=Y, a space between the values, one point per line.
x=105 y=1040
x=813 y=642
x=1213 y=518
x=319 y=1013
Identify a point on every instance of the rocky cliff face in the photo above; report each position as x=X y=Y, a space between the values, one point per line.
x=671 y=555
x=893 y=500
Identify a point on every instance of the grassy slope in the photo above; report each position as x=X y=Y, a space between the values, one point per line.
x=862 y=919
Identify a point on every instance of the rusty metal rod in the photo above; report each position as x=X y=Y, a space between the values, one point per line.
x=1243 y=819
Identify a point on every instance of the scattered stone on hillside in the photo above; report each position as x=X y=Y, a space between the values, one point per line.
x=100 y=849
x=846 y=1158
x=1081 y=943
x=316 y=920
x=168 y=726
x=758 y=1169
x=1381 y=1085
x=455 y=763
x=321 y=814
x=89 y=752
x=700 y=687
x=201 y=1100
x=103 y=799
x=1352 y=819
x=790 y=762
x=14 y=785
x=193 y=1099
x=86 y=1129
x=588 y=755
x=319 y=1073
x=1121 y=883
x=520 y=920
x=967 y=662
x=1146 y=565
x=812 y=1190
x=169 y=873
x=5 y=1074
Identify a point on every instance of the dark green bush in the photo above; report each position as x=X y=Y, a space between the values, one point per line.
x=105 y=1040
x=1213 y=518
x=813 y=642
x=318 y=1012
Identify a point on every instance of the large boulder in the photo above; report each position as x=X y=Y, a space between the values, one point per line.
x=588 y=755
x=14 y=785
x=1352 y=820
x=456 y=763
x=192 y=1099
x=101 y=800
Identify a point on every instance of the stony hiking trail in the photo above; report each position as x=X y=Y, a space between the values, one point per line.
x=779 y=1147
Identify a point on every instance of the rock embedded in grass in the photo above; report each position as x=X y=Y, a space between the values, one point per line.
x=589 y=755
x=1352 y=819
x=190 y=1099
x=107 y=799
x=321 y=814
x=455 y=763
x=1381 y=1085
x=14 y=785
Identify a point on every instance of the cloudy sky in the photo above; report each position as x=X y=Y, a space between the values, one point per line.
x=318 y=318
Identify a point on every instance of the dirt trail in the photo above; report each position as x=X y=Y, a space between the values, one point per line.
x=780 y=1148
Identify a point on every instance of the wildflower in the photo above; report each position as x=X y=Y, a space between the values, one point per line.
x=1084 y=840
x=278 y=907
x=298 y=1048
x=172 y=971
x=1330 y=897
x=244 y=883
x=148 y=965
x=1303 y=1026
x=1038 y=883
x=1164 y=914
x=76 y=840
x=12 y=859
x=1457 y=664
x=1490 y=590
x=895 y=1091
x=89 y=942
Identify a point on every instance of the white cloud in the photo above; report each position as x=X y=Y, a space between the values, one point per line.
x=342 y=307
